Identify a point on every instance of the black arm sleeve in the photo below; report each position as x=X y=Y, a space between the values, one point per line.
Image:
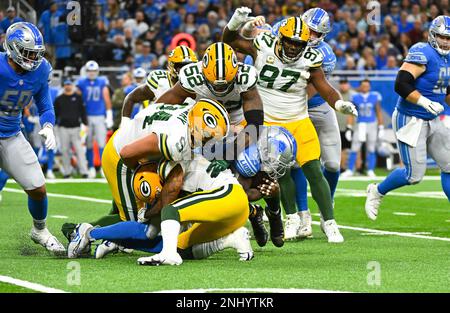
x=404 y=84
x=254 y=117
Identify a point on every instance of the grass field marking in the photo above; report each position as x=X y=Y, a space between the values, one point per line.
x=268 y=290
x=362 y=193
x=59 y=195
x=386 y=232
x=404 y=213
x=59 y=216
x=29 y=285
x=380 y=178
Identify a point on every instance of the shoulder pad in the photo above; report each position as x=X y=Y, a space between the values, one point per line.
x=264 y=40
x=190 y=77
x=154 y=77
x=313 y=58
x=247 y=76
x=419 y=53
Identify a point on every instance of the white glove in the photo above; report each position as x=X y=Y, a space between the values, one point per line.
x=380 y=131
x=346 y=107
x=349 y=133
x=47 y=133
x=33 y=119
x=433 y=107
x=109 y=119
x=239 y=17
x=141 y=215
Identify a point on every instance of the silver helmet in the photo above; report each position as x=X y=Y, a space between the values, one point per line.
x=318 y=20
x=440 y=27
x=277 y=149
x=24 y=44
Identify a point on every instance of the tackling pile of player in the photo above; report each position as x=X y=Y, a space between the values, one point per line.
x=222 y=134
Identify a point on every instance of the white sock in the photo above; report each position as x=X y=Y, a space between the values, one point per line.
x=39 y=224
x=169 y=231
x=204 y=250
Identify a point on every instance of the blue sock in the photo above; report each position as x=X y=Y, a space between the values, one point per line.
x=445 y=181
x=3 y=178
x=90 y=157
x=51 y=159
x=301 y=186
x=396 y=179
x=352 y=160
x=371 y=161
x=38 y=208
x=332 y=179
x=120 y=231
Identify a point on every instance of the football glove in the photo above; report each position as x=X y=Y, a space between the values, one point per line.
x=433 y=107
x=109 y=119
x=349 y=133
x=346 y=107
x=47 y=133
x=380 y=131
x=239 y=17
x=216 y=167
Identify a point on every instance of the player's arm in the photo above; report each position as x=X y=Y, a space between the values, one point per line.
x=170 y=191
x=175 y=95
x=109 y=113
x=46 y=115
x=231 y=34
x=329 y=93
x=143 y=148
x=379 y=113
x=138 y=94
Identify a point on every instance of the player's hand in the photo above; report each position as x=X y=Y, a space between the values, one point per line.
x=109 y=119
x=346 y=107
x=380 y=131
x=259 y=21
x=433 y=107
x=349 y=133
x=33 y=119
x=216 y=167
x=47 y=133
x=269 y=188
x=141 y=215
x=239 y=17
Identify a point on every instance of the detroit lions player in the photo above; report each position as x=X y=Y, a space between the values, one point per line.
x=423 y=86
x=96 y=96
x=25 y=75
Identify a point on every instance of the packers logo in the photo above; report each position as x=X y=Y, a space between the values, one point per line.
x=171 y=53
x=145 y=189
x=234 y=60
x=205 y=60
x=210 y=120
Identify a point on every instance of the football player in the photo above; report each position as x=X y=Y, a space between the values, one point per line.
x=285 y=66
x=369 y=127
x=25 y=74
x=423 y=85
x=96 y=96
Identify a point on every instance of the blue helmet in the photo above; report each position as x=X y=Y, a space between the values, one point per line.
x=248 y=163
x=318 y=20
x=277 y=150
x=24 y=44
x=440 y=26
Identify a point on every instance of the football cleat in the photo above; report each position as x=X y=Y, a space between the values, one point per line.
x=161 y=259
x=305 y=229
x=332 y=232
x=47 y=240
x=50 y=174
x=107 y=247
x=259 y=230
x=92 y=173
x=240 y=240
x=291 y=226
x=371 y=174
x=373 y=201
x=347 y=173
x=81 y=242
x=276 y=227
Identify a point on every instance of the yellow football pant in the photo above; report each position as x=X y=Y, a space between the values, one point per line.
x=308 y=146
x=120 y=182
x=214 y=214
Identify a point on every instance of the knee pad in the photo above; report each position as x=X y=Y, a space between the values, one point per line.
x=332 y=166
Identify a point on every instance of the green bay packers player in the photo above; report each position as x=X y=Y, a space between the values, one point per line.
x=159 y=81
x=285 y=66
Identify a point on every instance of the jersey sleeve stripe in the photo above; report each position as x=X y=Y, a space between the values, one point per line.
x=152 y=82
x=162 y=170
x=256 y=44
x=164 y=147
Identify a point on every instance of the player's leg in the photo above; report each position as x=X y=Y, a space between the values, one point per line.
x=81 y=156
x=3 y=179
x=287 y=195
x=100 y=135
x=20 y=161
x=90 y=145
x=353 y=154
x=372 y=136
x=438 y=147
x=65 y=143
x=308 y=153
x=414 y=160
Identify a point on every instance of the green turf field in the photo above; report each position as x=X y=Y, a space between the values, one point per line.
x=409 y=253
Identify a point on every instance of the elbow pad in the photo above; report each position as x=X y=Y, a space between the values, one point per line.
x=404 y=84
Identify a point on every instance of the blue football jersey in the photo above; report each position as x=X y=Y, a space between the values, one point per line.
x=328 y=65
x=16 y=92
x=129 y=89
x=366 y=105
x=92 y=92
x=431 y=84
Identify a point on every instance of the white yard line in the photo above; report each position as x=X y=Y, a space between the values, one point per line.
x=404 y=213
x=379 y=178
x=58 y=195
x=59 y=216
x=29 y=285
x=420 y=194
x=268 y=290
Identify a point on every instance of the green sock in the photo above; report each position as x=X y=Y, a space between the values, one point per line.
x=107 y=220
x=320 y=189
x=287 y=193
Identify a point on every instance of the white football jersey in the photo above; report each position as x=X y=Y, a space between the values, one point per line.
x=168 y=122
x=159 y=82
x=282 y=86
x=192 y=80
x=195 y=176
